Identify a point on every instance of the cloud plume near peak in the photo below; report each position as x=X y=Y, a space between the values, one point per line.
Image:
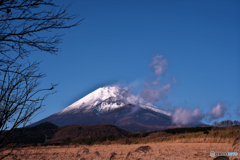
x=174 y=80
x=159 y=64
x=152 y=92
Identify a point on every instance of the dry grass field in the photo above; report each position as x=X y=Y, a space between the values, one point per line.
x=159 y=145
x=151 y=151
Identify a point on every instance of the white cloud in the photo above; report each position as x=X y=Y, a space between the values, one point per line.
x=185 y=116
x=217 y=111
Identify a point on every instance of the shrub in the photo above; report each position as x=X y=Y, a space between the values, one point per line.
x=66 y=142
x=127 y=141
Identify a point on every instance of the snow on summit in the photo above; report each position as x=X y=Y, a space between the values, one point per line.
x=106 y=99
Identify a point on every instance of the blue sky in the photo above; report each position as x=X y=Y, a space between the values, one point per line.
x=117 y=41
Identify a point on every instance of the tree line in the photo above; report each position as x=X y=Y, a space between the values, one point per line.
x=226 y=123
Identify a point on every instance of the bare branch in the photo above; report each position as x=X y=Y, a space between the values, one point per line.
x=23 y=24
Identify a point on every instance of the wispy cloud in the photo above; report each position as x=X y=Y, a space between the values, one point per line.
x=153 y=92
x=174 y=80
x=237 y=111
x=156 y=82
x=159 y=64
x=169 y=104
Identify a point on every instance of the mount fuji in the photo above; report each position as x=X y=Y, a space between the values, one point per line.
x=112 y=105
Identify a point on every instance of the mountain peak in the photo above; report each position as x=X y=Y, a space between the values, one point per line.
x=110 y=91
x=97 y=97
x=106 y=99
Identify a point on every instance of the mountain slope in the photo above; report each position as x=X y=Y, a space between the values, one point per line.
x=112 y=105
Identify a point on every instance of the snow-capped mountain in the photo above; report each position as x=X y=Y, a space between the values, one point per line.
x=107 y=99
x=112 y=105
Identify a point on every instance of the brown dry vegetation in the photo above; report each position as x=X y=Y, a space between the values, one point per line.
x=218 y=136
x=158 y=145
x=135 y=151
x=157 y=150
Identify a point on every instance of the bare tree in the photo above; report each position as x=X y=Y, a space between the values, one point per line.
x=236 y=123
x=222 y=124
x=215 y=126
x=230 y=123
x=226 y=123
x=215 y=123
x=22 y=26
x=19 y=98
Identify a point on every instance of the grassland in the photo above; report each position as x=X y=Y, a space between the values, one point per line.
x=151 y=151
x=156 y=145
x=214 y=136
